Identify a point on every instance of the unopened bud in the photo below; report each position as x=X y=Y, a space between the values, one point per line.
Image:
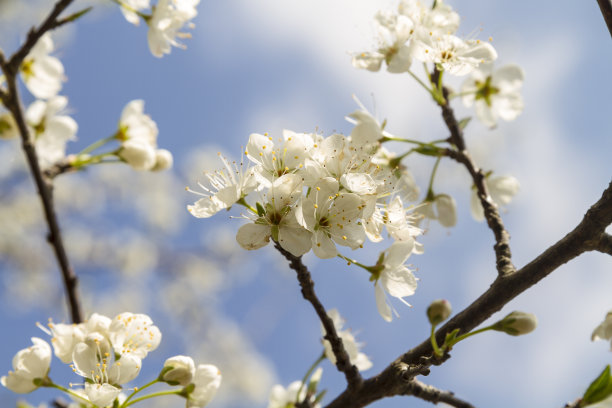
x=517 y=323
x=8 y=127
x=163 y=160
x=438 y=311
x=178 y=370
x=138 y=154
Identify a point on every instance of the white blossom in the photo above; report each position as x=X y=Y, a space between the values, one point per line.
x=332 y=217
x=134 y=334
x=28 y=364
x=438 y=20
x=225 y=188
x=395 y=278
x=395 y=48
x=138 y=136
x=495 y=94
x=169 y=16
x=50 y=129
x=454 y=55
x=42 y=73
x=501 y=190
x=278 y=220
x=357 y=358
x=207 y=380
x=604 y=330
x=178 y=370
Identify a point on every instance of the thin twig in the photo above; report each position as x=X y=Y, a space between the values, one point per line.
x=585 y=237
x=435 y=395
x=503 y=255
x=343 y=362
x=606 y=11
x=44 y=184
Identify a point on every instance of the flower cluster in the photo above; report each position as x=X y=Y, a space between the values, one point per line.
x=108 y=353
x=320 y=193
x=166 y=20
x=427 y=34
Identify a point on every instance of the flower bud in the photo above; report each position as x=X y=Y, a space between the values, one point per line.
x=178 y=370
x=163 y=160
x=438 y=311
x=138 y=154
x=8 y=127
x=517 y=323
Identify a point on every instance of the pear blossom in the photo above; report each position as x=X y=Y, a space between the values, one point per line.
x=395 y=32
x=92 y=360
x=278 y=220
x=357 y=358
x=495 y=94
x=604 y=330
x=501 y=190
x=394 y=278
x=273 y=161
x=442 y=208
x=400 y=226
x=28 y=364
x=207 y=380
x=133 y=334
x=454 y=55
x=441 y=19
x=42 y=73
x=131 y=8
x=227 y=187
x=178 y=370
x=138 y=136
x=332 y=217
x=163 y=160
x=281 y=397
x=169 y=16
x=50 y=130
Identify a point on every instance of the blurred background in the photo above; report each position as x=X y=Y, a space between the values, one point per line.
x=266 y=66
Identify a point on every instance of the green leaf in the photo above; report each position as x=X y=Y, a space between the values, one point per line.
x=600 y=388
x=75 y=16
x=464 y=122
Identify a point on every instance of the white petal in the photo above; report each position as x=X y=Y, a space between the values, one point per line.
x=381 y=303
x=253 y=236
x=101 y=395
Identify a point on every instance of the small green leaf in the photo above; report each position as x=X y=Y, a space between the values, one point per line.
x=78 y=14
x=600 y=388
x=464 y=122
x=260 y=210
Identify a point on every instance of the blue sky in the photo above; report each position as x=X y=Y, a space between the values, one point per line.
x=265 y=66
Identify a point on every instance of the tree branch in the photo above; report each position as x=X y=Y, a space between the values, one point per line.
x=434 y=395
x=44 y=184
x=343 y=362
x=604 y=244
x=606 y=11
x=391 y=381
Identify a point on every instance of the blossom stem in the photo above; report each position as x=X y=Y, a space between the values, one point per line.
x=137 y=390
x=69 y=392
x=399 y=139
x=94 y=159
x=243 y=202
x=155 y=394
x=434 y=94
x=431 y=179
x=97 y=144
x=465 y=336
x=352 y=261
x=310 y=370
x=434 y=342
